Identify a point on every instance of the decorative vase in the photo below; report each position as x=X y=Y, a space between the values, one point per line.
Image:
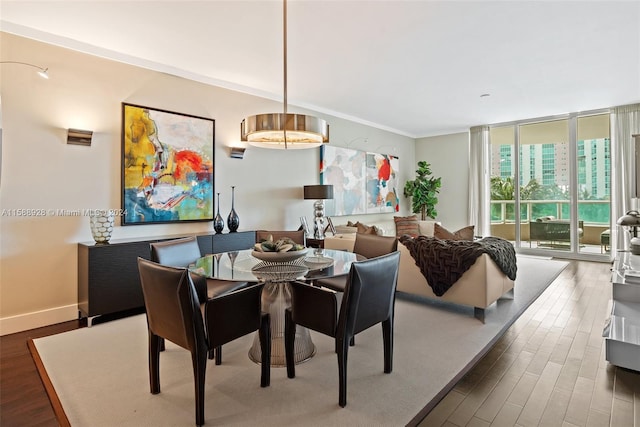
x=218 y=222
x=101 y=223
x=233 y=220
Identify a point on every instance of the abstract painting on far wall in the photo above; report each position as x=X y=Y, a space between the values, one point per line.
x=167 y=166
x=362 y=182
x=382 y=183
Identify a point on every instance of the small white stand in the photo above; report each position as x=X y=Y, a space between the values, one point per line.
x=622 y=332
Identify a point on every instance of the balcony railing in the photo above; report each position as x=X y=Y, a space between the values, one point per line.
x=597 y=212
x=595 y=215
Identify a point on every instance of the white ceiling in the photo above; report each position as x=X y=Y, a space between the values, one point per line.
x=416 y=68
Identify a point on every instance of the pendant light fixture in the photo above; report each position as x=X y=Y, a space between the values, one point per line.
x=284 y=130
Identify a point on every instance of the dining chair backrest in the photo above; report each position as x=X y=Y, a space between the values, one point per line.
x=181 y=253
x=176 y=252
x=373 y=245
x=296 y=236
x=369 y=294
x=173 y=309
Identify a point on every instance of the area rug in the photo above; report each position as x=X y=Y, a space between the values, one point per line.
x=99 y=374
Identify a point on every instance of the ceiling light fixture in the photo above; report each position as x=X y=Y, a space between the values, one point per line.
x=283 y=130
x=42 y=72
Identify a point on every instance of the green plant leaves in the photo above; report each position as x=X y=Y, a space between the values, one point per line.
x=423 y=191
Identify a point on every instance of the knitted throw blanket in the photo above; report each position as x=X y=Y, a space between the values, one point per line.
x=443 y=262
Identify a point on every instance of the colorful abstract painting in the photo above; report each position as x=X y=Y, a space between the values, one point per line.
x=382 y=183
x=167 y=166
x=344 y=168
x=362 y=182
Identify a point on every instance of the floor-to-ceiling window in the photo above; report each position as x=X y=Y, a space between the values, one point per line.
x=556 y=174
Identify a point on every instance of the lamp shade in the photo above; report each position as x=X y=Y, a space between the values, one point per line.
x=630 y=219
x=318 y=192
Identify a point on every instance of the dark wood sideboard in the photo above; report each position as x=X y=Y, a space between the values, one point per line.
x=108 y=280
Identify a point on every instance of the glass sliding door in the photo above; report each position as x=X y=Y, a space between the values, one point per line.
x=594 y=182
x=545 y=182
x=503 y=195
x=550 y=184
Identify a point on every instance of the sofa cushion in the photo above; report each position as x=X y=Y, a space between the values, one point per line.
x=346 y=229
x=341 y=242
x=407 y=225
x=465 y=233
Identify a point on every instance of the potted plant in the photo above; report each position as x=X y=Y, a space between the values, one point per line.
x=423 y=191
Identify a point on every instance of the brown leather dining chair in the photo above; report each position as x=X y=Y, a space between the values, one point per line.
x=184 y=251
x=297 y=236
x=174 y=314
x=368 y=299
x=368 y=246
x=181 y=253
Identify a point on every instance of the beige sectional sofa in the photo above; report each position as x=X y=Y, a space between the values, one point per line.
x=479 y=287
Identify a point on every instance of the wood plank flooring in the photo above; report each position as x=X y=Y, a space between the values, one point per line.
x=23 y=400
x=549 y=368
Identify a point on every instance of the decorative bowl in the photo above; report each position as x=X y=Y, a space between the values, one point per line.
x=279 y=256
x=318 y=262
x=279 y=272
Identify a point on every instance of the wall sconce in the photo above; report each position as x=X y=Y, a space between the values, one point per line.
x=79 y=137
x=237 y=152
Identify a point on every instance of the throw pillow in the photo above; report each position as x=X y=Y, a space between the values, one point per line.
x=407 y=225
x=465 y=233
x=427 y=227
x=362 y=229
x=366 y=229
x=358 y=227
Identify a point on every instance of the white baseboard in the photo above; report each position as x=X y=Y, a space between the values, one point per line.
x=37 y=319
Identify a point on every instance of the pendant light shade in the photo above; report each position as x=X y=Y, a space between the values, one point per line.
x=268 y=131
x=284 y=130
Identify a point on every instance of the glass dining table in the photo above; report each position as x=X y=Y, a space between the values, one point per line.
x=276 y=294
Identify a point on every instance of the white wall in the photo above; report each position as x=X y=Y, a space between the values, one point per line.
x=38 y=254
x=449 y=159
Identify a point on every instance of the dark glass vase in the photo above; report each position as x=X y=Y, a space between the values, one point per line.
x=233 y=220
x=218 y=222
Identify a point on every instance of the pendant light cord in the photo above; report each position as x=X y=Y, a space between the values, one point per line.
x=284 y=44
x=271 y=130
